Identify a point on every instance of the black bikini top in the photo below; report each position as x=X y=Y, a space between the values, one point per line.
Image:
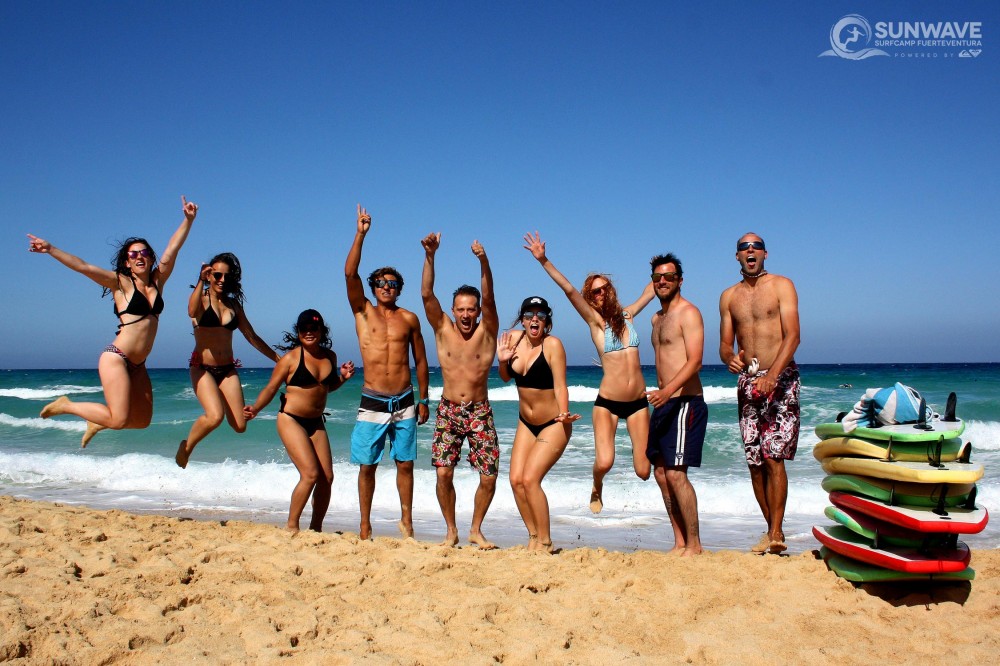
x=305 y=379
x=210 y=319
x=538 y=376
x=139 y=306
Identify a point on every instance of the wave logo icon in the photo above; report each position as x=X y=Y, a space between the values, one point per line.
x=969 y=53
x=849 y=39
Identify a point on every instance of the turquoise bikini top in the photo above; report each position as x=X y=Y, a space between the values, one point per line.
x=612 y=343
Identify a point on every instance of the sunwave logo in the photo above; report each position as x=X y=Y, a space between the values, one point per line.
x=850 y=37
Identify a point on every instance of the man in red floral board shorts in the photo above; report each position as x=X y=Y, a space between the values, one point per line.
x=759 y=333
x=466 y=346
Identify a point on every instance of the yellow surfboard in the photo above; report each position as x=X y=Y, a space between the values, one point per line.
x=951 y=449
x=952 y=472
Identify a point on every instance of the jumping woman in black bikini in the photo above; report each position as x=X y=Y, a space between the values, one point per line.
x=536 y=362
x=301 y=424
x=216 y=309
x=135 y=284
x=622 y=394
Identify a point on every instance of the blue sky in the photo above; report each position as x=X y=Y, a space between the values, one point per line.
x=617 y=130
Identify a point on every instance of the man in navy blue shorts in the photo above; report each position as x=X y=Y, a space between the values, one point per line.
x=677 y=426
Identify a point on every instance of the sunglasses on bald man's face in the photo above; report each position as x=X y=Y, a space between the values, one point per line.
x=135 y=254
x=746 y=245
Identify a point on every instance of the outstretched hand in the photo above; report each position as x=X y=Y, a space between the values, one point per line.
x=346 y=370
x=478 y=249
x=36 y=244
x=535 y=245
x=505 y=347
x=190 y=209
x=364 y=220
x=431 y=242
x=566 y=417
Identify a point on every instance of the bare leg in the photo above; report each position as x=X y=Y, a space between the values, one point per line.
x=446 y=499
x=92 y=429
x=323 y=489
x=548 y=448
x=673 y=513
x=404 y=486
x=638 y=431
x=605 y=425
x=523 y=441
x=777 y=496
x=685 y=503
x=119 y=392
x=366 y=491
x=303 y=456
x=211 y=401
x=484 y=497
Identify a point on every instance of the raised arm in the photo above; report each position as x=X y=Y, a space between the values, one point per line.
x=246 y=328
x=491 y=320
x=420 y=364
x=346 y=371
x=169 y=257
x=432 y=306
x=644 y=298
x=102 y=276
x=355 y=288
x=196 y=308
x=536 y=246
x=505 y=352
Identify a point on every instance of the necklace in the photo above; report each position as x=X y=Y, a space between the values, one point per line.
x=747 y=275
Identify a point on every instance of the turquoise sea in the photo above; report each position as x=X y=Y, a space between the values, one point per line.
x=249 y=476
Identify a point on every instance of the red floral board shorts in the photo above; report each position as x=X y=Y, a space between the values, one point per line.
x=455 y=422
x=769 y=424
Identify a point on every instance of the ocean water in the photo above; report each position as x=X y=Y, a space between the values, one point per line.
x=249 y=476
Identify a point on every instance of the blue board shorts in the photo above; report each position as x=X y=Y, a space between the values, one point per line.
x=382 y=416
x=677 y=432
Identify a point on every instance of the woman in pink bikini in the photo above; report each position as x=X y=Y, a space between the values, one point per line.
x=136 y=285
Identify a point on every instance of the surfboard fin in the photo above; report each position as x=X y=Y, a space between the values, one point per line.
x=949 y=408
x=971 y=502
x=966 y=456
x=934 y=455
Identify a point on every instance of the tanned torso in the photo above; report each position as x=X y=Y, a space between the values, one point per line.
x=669 y=348
x=384 y=336
x=756 y=317
x=465 y=364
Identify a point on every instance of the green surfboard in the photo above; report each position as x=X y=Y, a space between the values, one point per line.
x=859 y=572
x=913 y=494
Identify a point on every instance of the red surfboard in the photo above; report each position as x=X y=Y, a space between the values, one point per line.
x=841 y=540
x=952 y=520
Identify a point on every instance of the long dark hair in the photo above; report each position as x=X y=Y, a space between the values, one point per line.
x=233 y=289
x=119 y=259
x=292 y=341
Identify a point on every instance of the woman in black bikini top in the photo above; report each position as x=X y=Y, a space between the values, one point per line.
x=536 y=361
x=135 y=283
x=309 y=372
x=216 y=310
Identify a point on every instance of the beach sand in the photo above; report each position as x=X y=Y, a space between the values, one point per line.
x=84 y=586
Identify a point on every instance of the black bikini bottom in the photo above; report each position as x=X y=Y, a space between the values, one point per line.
x=535 y=429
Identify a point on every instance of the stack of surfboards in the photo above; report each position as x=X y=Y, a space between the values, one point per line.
x=901 y=495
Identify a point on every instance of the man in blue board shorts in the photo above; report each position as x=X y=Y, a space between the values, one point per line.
x=387 y=335
x=759 y=333
x=680 y=416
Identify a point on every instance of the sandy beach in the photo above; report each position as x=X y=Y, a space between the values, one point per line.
x=85 y=586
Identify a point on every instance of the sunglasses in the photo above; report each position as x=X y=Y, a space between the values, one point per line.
x=389 y=284
x=135 y=254
x=597 y=291
x=309 y=328
x=669 y=277
x=746 y=245
x=542 y=316
x=220 y=276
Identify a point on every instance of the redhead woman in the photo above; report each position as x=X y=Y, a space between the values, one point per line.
x=536 y=361
x=216 y=310
x=622 y=394
x=136 y=284
x=301 y=423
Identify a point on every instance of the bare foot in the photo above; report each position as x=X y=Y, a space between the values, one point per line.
x=691 y=552
x=546 y=547
x=676 y=550
x=291 y=530
x=596 y=504
x=405 y=530
x=181 y=458
x=450 y=539
x=56 y=407
x=777 y=546
x=92 y=429
x=762 y=545
x=481 y=541
x=365 y=532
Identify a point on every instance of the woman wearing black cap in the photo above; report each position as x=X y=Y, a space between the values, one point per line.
x=216 y=310
x=536 y=361
x=301 y=423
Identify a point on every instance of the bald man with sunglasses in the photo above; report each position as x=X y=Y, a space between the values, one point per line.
x=759 y=333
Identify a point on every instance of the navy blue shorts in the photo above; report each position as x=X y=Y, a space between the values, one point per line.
x=677 y=432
